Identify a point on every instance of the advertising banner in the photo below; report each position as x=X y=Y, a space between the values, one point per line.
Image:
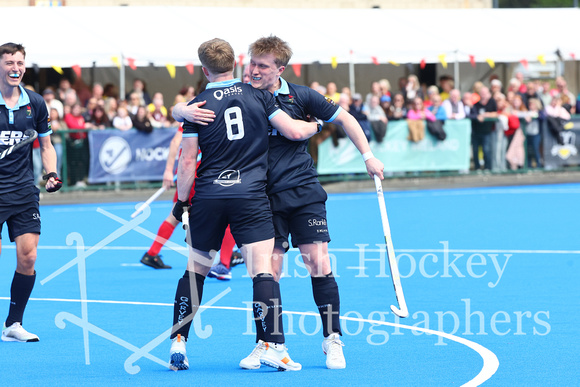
x=120 y=156
x=401 y=155
x=566 y=153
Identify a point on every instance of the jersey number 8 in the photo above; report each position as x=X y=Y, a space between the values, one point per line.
x=233 y=118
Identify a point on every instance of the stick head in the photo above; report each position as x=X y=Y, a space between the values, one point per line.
x=403 y=312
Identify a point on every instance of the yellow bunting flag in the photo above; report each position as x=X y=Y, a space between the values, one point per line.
x=171 y=70
x=116 y=61
x=334 y=62
x=443 y=61
x=58 y=70
x=490 y=62
x=393 y=63
x=542 y=59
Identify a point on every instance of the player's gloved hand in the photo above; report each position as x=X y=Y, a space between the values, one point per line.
x=179 y=208
x=56 y=184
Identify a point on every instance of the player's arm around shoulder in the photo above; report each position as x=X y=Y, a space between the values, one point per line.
x=192 y=112
x=295 y=130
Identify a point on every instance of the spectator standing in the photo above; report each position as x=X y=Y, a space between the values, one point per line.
x=482 y=124
x=398 y=109
x=133 y=103
x=142 y=121
x=360 y=112
x=52 y=102
x=375 y=91
x=377 y=119
x=140 y=88
x=412 y=90
x=453 y=106
x=122 y=121
x=534 y=120
x=158 y=111
x=467 y=101
x=332 y=92
x=98 y=119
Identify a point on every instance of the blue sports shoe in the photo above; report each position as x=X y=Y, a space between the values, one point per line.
x=220 y=272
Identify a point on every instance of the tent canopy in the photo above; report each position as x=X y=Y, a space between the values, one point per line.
x=83 y=36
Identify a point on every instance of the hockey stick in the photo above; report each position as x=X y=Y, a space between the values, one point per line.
x=402 y=310
x=150 y=200
x=28 y=138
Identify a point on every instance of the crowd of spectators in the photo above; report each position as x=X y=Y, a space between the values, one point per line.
x=496 y=113
x=75 y=110
x=491 y=108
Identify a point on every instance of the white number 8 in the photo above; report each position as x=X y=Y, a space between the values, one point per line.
x=233 y=116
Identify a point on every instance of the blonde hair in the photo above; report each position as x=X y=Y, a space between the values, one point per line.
x=217 y=56
x=272 y=45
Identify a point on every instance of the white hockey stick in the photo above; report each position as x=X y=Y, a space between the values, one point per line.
x=402 y=310
x=29 y=136
x=150 y=200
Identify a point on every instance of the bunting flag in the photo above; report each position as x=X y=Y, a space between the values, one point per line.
x=131 y=62
x=171 y=70
x=334 y=62
x=77 y=70
x=472 y=60
x=524 y=62
x=490 y=62
x=375 y=60
x=573 y=56
x=443 y=61
x=189 y=67
x=542 y=59
x=297 y=67
x=423 y=64
x=241 y=60
x=394 y=63
x=116 y=61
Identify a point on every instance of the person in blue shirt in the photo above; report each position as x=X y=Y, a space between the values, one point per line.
x=230 y=188
x=297 y=198
x=20 y=110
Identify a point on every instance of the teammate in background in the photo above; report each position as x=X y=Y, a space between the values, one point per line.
x=19 y=208
x=231 y=189
x=152 y=258
x=296 y=196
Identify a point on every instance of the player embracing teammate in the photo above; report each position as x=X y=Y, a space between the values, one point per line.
x=295 y=194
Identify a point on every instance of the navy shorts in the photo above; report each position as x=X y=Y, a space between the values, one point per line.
x=250 y=221
x=300 y=212
x=20 y=213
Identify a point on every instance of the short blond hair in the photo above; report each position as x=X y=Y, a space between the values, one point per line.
x=217 y=56
x=272 y=45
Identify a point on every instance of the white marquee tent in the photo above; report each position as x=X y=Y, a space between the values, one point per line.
x=93 y=36
x=66 y=36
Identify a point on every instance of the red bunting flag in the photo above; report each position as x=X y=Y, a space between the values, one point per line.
x=131 y=62
x=297 y=67
x=375 y=60
x=423 y=64
x=77 y=70
x=472 y=60
x=573 y=56
x=241 y=60
x=524 y=62
x=189 y=67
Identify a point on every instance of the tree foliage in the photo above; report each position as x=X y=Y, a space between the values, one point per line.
x=535 y=3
